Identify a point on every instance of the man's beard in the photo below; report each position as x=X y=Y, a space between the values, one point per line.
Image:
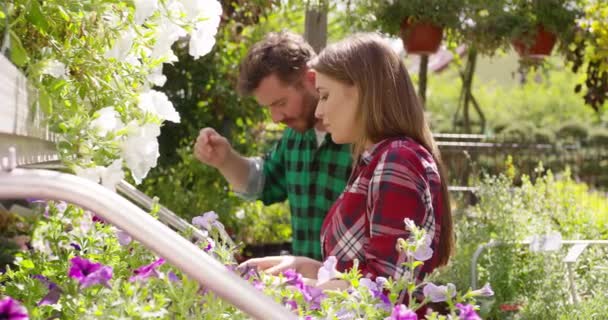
x=308 y=120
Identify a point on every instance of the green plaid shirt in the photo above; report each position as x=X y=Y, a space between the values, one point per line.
x=311 y=178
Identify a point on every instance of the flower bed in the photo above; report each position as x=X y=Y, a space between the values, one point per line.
x=82 y=267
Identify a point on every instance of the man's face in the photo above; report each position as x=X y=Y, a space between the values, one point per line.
x=294 y=105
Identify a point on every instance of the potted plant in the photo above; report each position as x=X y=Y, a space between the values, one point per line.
x=531 y=27
x=419 y=23
x=538 y=24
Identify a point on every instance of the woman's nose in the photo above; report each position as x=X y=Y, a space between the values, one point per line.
x=319 y=111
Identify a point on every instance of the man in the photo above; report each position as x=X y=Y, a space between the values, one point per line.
x=305 y=167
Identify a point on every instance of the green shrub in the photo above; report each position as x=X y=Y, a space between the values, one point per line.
x=510 y=213
x=519 y=132
x=598 y=137
x=572 y=131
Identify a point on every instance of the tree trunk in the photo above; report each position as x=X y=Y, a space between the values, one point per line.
x=422 y=78
x=466 y=95
x=315 y=30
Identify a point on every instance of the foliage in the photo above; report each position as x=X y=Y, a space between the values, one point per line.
x=534 y=281
x=491 y=25
x=203 y=93
x=389 y=15
x=94 y=63
x=83 y=268
x=503 y=104
x=590 y=50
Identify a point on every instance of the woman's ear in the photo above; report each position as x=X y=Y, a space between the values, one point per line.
x=311 y=76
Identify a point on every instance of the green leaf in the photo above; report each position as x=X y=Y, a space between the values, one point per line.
x=18 y=53
x=63 y=14
x=28 y=264
x=36 y=17
x=46 y=103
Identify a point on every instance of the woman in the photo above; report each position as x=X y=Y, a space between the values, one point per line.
x=366 y=98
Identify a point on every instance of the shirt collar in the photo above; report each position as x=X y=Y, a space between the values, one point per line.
x=369 y=154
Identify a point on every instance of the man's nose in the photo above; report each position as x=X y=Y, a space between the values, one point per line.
x=276 y=116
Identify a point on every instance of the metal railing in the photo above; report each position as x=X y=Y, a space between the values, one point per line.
x=167 y=216
x=35 y=183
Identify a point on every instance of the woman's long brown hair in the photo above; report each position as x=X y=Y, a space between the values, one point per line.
x=388 y=106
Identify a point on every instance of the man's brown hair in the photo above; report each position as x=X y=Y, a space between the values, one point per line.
x=284 y=54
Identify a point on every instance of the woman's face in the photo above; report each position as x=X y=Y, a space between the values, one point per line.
x=337 y=108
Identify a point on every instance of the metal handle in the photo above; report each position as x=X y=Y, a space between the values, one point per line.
x=25 y=183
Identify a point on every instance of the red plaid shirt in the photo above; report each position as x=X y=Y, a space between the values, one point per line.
x=396 y=179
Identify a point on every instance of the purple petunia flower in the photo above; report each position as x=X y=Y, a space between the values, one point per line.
x=206 y=220
x=11 y=309
x=89 y=273
x=60 y=206
x=293 y=278
x=467 y=312
x=98 y=219
x=76 y=246
x=485 y=291
x=123 y=237
x=172 y=277
x=292 y=304
x=344 y=314
x=439 y=293
x=144 y=272
x=258 y=285
x=376 y=290
x=54 y=291
x=210 y=245
x=247 y=271
x=313 y=297
x=401 y=312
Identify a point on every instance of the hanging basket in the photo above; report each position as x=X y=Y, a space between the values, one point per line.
x=539 y=47
x=421 y=37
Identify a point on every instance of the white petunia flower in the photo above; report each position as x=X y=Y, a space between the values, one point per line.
x=423 y=250
x=91 y=174
x=112 y=175
x=55 y=69
x=202 y=40
x=109 y=176
x=328 y=271
x=195 y=9
x=140 y=149
x=168 y=32
x=144 y=9
x=157 y=103
x=122 y=46
x=157 y=77
x=108 y=120
x=175 y=9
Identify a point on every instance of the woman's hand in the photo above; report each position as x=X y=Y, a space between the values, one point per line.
x=277 y=264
